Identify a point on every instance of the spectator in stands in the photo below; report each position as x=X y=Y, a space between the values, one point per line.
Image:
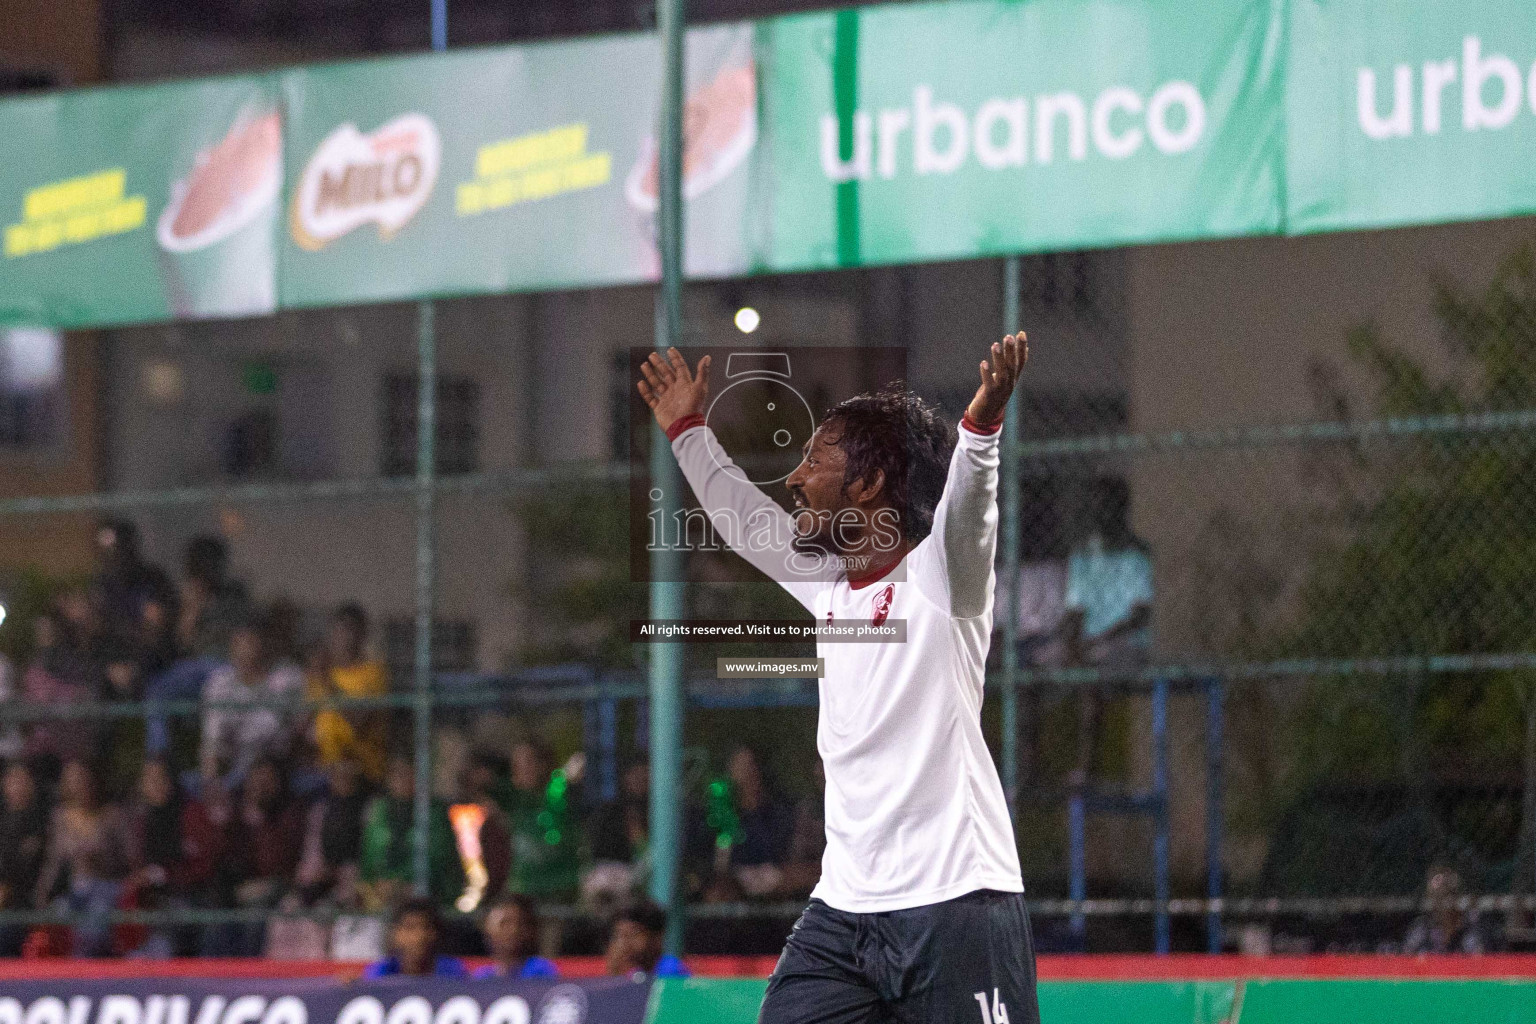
x=1109 y=605
x=333 y=838
x=155 y=848
x=347 y=671
x=86 y=861
x=635 y=942
x=207 y=873
x=60 y=673
x=10 y=732
x=268 y=833
x=211 y=606
x=1445 y=927
x=233 y=740
x=512 y=938
x=23 y=844
x=415 y=935
x=483 y=779
x=388 y=837
x=757 y=857
x=620 y=840
x=539 y=809
x=125 y=583
x=807 y=840
x=122 y=739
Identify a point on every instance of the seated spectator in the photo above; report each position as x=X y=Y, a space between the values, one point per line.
x=763 y=822
x=234 y=739
x=620 y=840
x=482 y=781
x=155 y=848
x=122 y=740
x=512 y=938
x=415 y=934
x=207 y=872
x=211 y=605
x=125 y=583
x=388 y=843
x=347 y=671
x=23 y=843
x=60 y=672
x=1445 y=927
x=807 y=840
x=333 y=838
x=269 y=826
x=266 y=835
x=635 y=941
x=10 y=734
x=86 y=861
x=545 y=848
x=1109 y=607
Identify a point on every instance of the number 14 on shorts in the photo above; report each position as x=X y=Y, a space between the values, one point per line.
x=997 y=1013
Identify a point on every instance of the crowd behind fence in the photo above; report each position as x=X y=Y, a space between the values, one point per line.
x=1307 y=724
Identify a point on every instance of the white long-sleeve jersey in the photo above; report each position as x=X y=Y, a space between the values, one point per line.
x=915 y=812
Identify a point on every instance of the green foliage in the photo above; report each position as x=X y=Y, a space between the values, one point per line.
x=1433 y=552
x=26 y=595
x=578 y=542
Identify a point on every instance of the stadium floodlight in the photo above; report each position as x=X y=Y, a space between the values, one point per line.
x=747 y=319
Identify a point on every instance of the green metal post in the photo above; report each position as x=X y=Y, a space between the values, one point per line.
x=426 y=569
x=1009 y=569
x=426 y=549
x=667 y=591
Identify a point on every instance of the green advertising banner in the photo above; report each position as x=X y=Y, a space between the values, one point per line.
x=1405 y=112
x=890 y=134
x=1320 y=1001
x=128 y=205
x=939 y=131
x=509 y=169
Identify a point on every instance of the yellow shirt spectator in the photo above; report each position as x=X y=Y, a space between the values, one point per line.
x=358 y=734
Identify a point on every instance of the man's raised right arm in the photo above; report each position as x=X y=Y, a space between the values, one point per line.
x=750 y=522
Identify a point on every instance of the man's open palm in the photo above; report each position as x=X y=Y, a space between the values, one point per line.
x=999 y=375
x=671 y=389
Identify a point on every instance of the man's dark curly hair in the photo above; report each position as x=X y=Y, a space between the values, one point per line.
x=896 y=431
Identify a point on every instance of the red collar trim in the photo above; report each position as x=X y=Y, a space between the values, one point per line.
x=872 y=576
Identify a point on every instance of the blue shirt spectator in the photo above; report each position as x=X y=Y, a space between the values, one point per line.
x=442 y=967
x=533 y=967
x=414 y=936
x=670 y=966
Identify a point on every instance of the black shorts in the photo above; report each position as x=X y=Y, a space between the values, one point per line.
x=967 y=960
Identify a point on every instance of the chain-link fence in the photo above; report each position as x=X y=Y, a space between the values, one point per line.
x=1274 y=682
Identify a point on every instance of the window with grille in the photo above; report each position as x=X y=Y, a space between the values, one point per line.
x=1064 y=282
x=32 y=402
x=458 y=425
x=455 y=645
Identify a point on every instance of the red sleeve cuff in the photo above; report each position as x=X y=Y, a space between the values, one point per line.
x=683 y=423
x=977 y=428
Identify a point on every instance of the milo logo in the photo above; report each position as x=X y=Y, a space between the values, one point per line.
x=354 y=179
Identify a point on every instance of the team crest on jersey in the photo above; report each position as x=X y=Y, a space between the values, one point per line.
x=883 y=603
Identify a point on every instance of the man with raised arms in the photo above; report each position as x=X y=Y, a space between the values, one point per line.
x=919 y=914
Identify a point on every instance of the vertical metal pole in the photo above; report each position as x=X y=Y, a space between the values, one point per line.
x=439 y=25
x=426 y=551
x=1010 y=552
x=1077 y=861
x=667 y=599
x=426 y=568
x=1215 y=818
x=1161 y=838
